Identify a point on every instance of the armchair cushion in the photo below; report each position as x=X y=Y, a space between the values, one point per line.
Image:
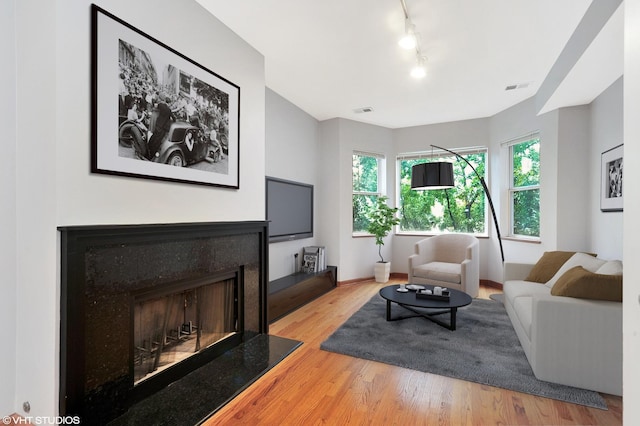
x=439 y=271
x=448 y=260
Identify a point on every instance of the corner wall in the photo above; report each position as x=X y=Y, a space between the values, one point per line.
x=355 y=257
x=53 y=184
x=607 y=131
x=8 y=218
x=291 y=148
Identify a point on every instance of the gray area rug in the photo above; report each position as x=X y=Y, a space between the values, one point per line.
x=498 y=297
x=484 y=348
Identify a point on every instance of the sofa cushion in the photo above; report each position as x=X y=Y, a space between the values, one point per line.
x=516 y=288
x=585 y=260
x=580 y=283
x=523 y=307
x=612 y=267
x=439 y=271
x=547 y=266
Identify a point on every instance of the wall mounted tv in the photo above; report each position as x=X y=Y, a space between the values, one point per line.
x=289 y=209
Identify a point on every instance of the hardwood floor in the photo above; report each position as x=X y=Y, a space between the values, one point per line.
x=314 y=387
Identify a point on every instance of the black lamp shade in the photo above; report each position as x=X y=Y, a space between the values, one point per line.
x=437 y=175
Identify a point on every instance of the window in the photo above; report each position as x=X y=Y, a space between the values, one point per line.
x=459 y=209
x=367 y=175
x=524 y=187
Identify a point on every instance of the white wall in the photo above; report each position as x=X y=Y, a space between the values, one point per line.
x=53 y=185
x=631 y=288
x=36 y=248
x=8 y=219
x=606 y=133
x=329 y=200
x=356 y=256
x=574 y=171
x=291 y=153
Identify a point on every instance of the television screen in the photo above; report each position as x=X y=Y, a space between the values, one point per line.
x=289 y=209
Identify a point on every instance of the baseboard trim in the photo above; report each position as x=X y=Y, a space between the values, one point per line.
x=392 y=276
x=492 y=284
x=405 y=276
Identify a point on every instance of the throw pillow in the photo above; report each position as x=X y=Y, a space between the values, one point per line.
x=585 y=260
x=580 y=283
x=548 y=265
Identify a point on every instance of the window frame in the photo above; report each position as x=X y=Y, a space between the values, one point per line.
x=436 y=154
x=512 y=189
x=380 y=184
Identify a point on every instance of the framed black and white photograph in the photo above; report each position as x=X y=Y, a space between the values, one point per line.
x=611 y=195
x=158 y=114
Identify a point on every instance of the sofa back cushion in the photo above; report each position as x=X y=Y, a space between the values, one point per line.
x=585 y=260
x=548 y=265
x=612 y=267
x=581 y=283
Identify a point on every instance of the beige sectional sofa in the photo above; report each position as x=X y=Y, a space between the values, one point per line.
x=574 y=341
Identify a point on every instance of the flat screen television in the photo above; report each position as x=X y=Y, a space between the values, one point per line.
x=289 y=209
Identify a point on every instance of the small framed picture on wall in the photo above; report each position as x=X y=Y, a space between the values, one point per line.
x=611 y=195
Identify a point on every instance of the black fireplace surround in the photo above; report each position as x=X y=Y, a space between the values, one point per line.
x=102 y=270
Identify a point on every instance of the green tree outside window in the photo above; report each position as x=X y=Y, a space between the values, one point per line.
x=459 y=209
x=366 y=182
x=525 y=188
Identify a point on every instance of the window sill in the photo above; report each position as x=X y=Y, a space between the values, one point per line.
x=361 y=235
x=432 y=234
x=523 y=240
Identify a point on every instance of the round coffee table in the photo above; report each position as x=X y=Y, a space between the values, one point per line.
x=409 y=300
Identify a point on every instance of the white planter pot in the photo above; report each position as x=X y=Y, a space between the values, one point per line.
x=381 y=271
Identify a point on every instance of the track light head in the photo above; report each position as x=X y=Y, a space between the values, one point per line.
x=420 y=70
x=409 y=40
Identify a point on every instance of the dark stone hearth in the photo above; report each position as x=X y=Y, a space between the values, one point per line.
x=201 y=393
x=105 y=267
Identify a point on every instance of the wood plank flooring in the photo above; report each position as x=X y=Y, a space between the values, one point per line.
x=314 y=387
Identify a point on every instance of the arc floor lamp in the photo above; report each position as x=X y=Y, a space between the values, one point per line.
x=439 y=175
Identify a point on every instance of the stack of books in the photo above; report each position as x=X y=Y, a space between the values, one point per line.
x=313 y=259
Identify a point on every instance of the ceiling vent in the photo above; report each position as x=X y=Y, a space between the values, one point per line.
x=517 y=86
x=363 y=110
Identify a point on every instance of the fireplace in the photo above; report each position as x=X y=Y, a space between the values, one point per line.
x=178 y=321
x=145 y=305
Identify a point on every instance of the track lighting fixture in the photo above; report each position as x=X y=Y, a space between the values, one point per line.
x=420 y=70
x=411 y=40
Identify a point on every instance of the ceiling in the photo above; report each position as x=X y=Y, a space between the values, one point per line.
x=332 y=57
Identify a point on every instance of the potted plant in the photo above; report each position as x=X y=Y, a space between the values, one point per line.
x=382 y=219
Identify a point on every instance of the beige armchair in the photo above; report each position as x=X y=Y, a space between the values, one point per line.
x=449 y=260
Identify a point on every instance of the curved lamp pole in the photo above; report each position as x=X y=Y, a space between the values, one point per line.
x=439 y=175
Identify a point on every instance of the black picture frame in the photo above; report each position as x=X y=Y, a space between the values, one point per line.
x=170 y=110
x=611 y=194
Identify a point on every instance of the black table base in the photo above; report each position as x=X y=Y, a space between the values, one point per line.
x=427 y=315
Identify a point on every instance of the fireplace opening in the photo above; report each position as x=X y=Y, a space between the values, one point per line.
x=176 y=323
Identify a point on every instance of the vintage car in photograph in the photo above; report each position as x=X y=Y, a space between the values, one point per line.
x=183 y=145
